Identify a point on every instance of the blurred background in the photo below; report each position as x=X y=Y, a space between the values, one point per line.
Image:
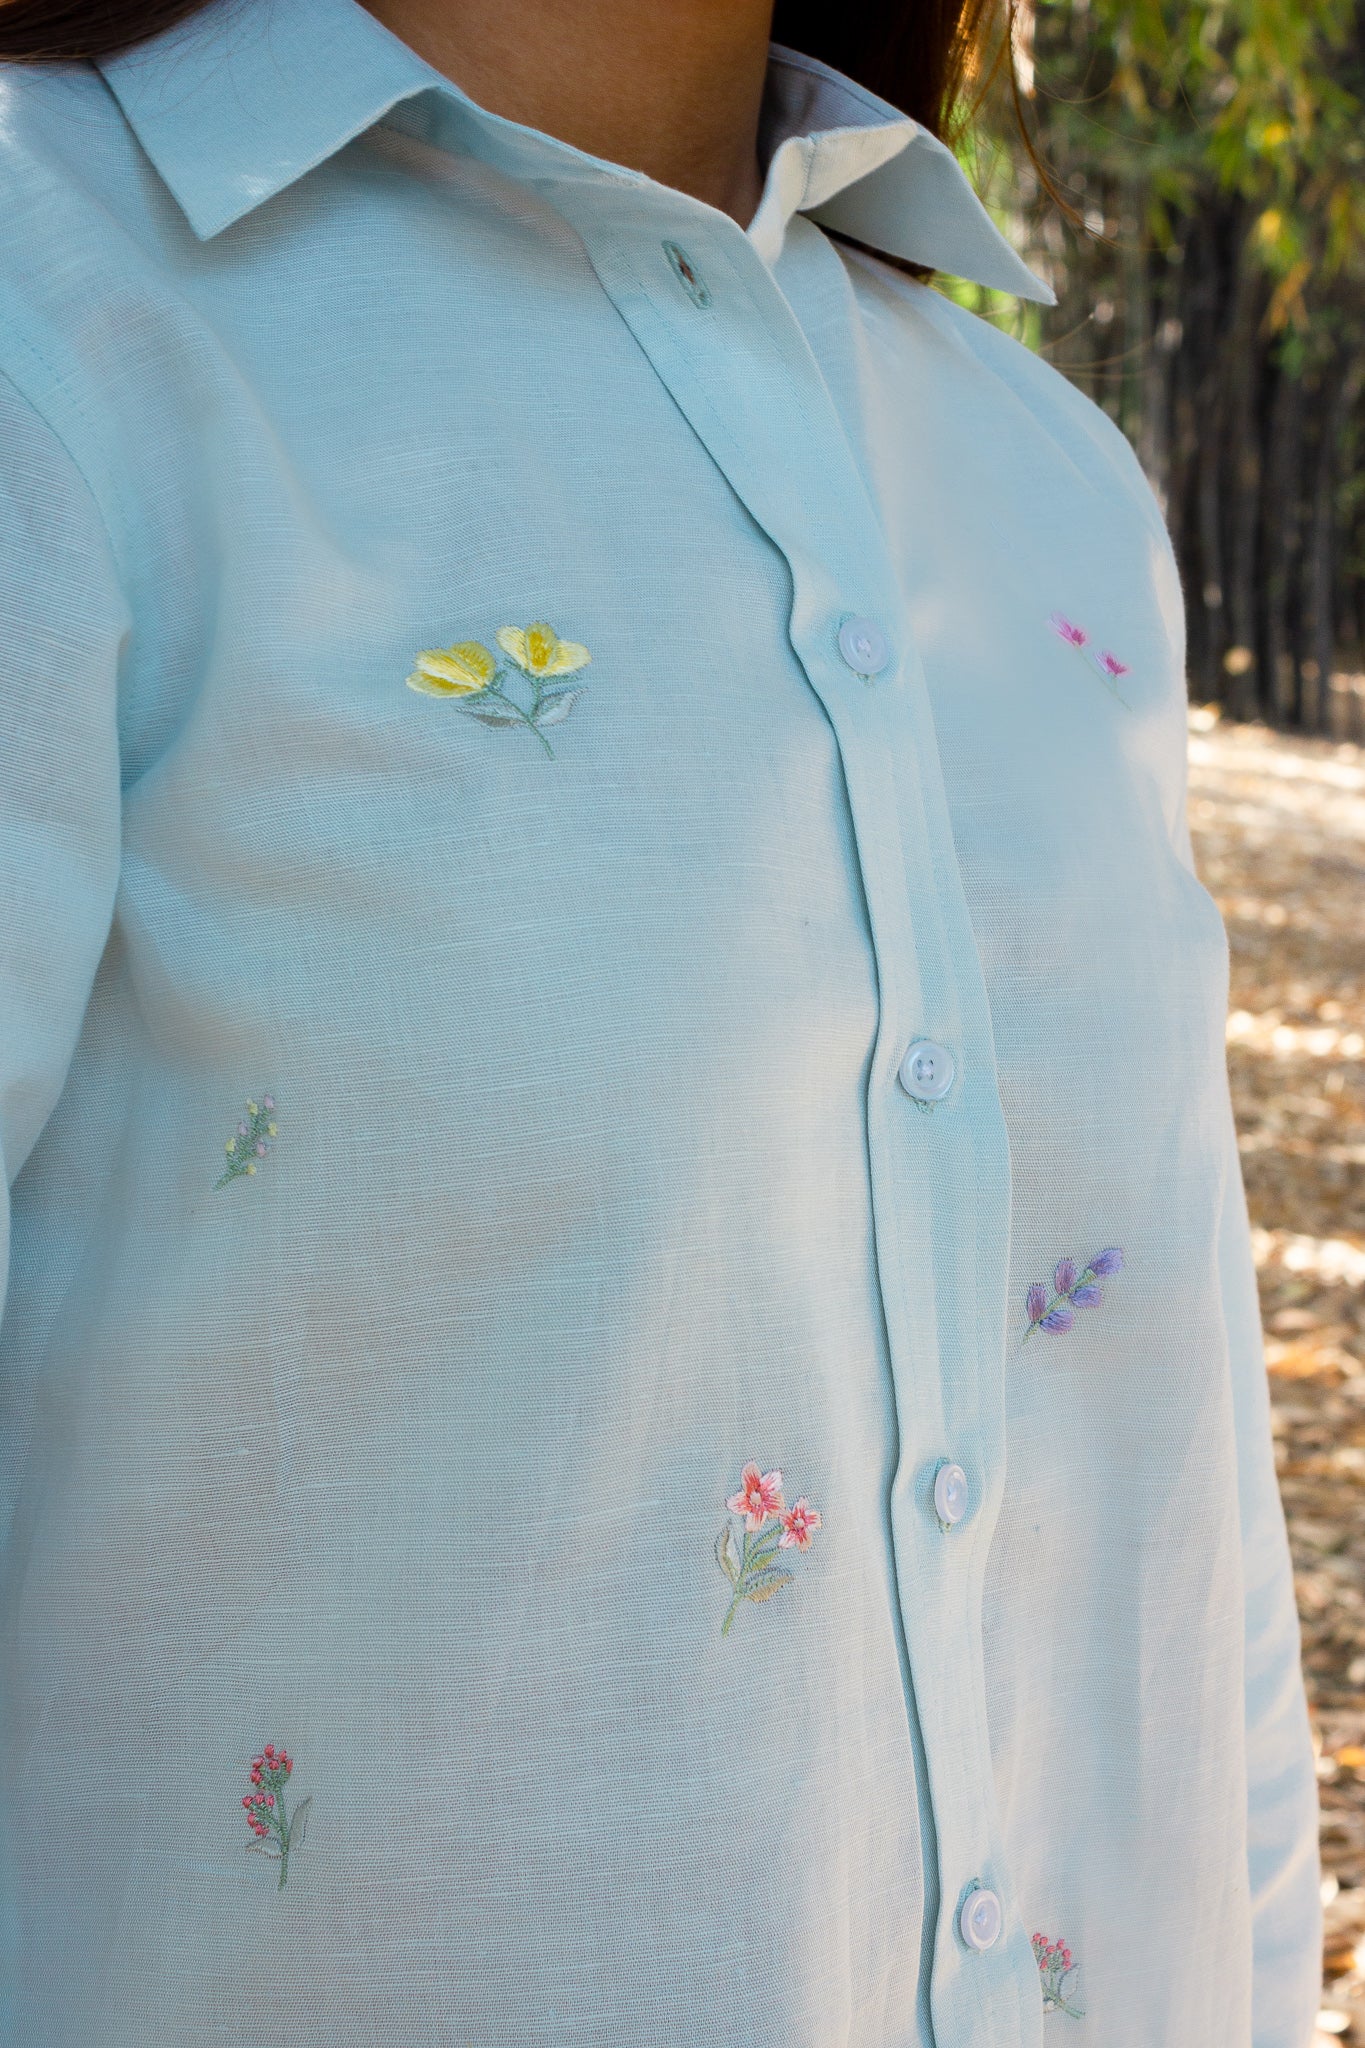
x=1211 y=297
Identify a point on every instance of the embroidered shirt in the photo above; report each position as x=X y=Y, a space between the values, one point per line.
x=630 y=1295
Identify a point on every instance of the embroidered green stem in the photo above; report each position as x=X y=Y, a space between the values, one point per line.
x=755 y=1558
x=526 y=717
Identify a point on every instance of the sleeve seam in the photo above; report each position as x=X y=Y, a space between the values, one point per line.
x=44 y=413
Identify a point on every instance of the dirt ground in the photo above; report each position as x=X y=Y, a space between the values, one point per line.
x=1279 y=831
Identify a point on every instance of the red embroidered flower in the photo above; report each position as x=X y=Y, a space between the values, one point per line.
x=760 y=1495
x=798 y=1524
x=1055 y=1965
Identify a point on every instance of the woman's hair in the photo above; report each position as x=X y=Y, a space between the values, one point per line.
x=919 y=54
x=924 y=56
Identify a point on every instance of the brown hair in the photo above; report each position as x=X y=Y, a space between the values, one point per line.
x=922 y=55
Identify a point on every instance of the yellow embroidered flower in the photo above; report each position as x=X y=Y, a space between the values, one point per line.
x=460 y=671
x=539 y=650
x=493 y=692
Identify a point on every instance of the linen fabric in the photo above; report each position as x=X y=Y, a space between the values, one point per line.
x=523 y=702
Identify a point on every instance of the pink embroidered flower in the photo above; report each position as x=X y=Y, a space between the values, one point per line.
x=1067 y=629
x=276 y=1831
x=751 y=1564
x=1106 y=664
x=760 y=1495
x=799 y=1524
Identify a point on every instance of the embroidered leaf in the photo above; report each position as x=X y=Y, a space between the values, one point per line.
x=494 y=717
x=263 y=1849
x=556 y=705
x=764 y=1584
x=725 y=1555
x=763 y=1567
x=298 y=1826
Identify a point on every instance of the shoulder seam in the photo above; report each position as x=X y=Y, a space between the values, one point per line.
x=48 y=379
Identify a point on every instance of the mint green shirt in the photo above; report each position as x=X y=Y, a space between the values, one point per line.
x=632 y=1406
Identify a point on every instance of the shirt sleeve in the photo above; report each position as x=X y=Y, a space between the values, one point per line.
x=63 y=623
x=1284 y=1871
x=1282 y=1809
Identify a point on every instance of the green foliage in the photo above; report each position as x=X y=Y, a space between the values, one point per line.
x=1208 y=254
x=1263 y=98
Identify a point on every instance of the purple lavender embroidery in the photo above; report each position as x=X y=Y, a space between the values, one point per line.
x=1073 y=1290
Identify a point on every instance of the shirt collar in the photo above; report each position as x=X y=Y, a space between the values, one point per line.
x=244 y=97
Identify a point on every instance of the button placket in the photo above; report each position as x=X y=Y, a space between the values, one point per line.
x=747 y=382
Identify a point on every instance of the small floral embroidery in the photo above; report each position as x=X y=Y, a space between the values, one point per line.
x=470 y=675
x=251 y=1140
x=1102 y=661
x=769 y=1526
x=266 y=1815
x=1054 y=1967
x=1066 y=629
x=1057 y=1312
x=799 y=1523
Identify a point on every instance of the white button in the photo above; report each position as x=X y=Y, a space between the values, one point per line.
x=927 y=1071
x=863 y=646
x=950 y=1494
x=981 y=1919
